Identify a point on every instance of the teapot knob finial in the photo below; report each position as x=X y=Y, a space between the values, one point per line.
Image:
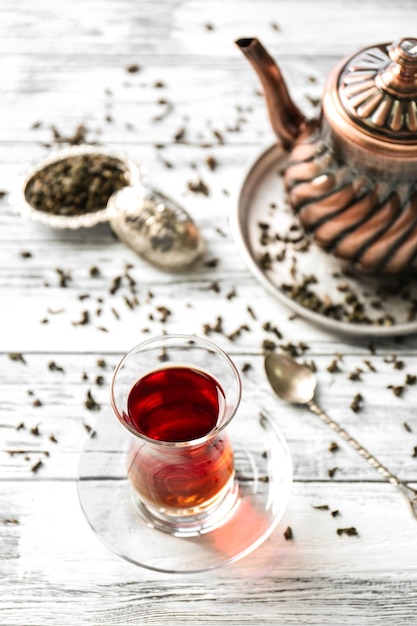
x=404 y=52
x=400 y=78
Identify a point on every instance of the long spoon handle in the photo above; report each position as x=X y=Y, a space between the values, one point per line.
x=407 y=491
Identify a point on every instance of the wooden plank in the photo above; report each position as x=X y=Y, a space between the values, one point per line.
x=318 y=577
x=179 y=54
x=386 y=423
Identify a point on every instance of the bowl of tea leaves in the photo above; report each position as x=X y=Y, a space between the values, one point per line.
x=71 y=187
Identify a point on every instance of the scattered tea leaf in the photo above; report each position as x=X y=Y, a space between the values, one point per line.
x=90 y=403
x=198 y=186
x=397 y=390
x=288 y=534
x=356 y=403
x=133 y=68
x=17 y=356
x=351 y=531
x=54 y=367
x=35 y=468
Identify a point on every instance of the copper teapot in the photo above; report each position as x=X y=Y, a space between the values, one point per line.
x=351 y=174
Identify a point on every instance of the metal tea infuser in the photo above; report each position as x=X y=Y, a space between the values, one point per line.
x=153 y=225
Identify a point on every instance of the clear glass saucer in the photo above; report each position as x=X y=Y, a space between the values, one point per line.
x=263 y=480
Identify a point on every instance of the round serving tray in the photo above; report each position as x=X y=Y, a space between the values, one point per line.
x=312 y=283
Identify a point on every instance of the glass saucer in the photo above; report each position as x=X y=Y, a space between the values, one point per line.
x=263 y=480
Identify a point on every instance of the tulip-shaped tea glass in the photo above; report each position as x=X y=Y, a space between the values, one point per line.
x=176 y=395
x=179 y=475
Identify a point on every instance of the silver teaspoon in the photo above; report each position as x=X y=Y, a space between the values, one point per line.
x=296 y=383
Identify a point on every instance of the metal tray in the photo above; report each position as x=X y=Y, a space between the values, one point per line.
x=297 y=272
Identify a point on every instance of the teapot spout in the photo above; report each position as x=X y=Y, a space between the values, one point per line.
x=286 y=119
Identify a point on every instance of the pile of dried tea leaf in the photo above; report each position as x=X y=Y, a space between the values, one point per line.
x=75 y=185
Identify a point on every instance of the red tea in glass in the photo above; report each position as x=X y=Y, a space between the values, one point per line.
x=175 y=404
x=180 y=459
x=178 y=405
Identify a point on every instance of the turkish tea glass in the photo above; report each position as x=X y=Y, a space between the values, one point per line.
x=175 y=395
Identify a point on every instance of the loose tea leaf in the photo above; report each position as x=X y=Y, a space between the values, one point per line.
x=64 y=277
x=198 y=186
x=78 y=137
x=54 y=367
x=16 y=356
x=288 y=534
x=369 y=365
x=211 y=162
x=90 y=402
x=133 y=68
x=35 y=468
x=356 y=403
x=333 y=367
x=351 y=531
x=84 y=319
x=397 y=390
x=356 y=374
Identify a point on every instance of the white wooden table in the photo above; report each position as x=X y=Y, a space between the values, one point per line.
x=64 y=64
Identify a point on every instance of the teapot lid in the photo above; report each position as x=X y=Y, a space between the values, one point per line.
x=370 y=104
